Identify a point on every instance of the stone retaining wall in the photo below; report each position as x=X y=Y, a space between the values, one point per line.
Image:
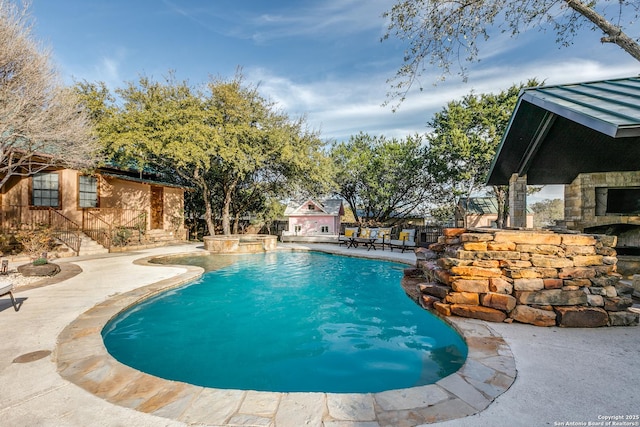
x=536 y=277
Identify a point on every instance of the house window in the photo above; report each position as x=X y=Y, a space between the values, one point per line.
x=88 y=192
x=297 y=228
x=46 y=190
x=324 y=229
x=311 y=207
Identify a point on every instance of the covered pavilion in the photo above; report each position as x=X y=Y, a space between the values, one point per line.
x=558 y=132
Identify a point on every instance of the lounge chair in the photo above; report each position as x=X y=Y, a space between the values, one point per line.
x=383 y=237
x=8 y=289
x=406 y=240
x=349 y=234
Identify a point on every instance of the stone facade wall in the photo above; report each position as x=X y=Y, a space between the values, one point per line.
x=580 y=199
x=536 y=277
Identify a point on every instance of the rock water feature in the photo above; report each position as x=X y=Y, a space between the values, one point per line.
x=240 y=243
x=536 y=277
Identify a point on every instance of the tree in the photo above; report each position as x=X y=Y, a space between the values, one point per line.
x=41 y=121
x=465 y=136
x=261 y=143
x=384 y=178
x=225 y=140
x=159 y=126
x=547 y=212
x=444 y=33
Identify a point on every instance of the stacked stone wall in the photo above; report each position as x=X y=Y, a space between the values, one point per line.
x=536 y=277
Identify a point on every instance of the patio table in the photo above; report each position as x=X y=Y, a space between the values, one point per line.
x=366 y=241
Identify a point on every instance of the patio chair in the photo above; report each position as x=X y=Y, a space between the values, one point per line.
x=383 y=237
x=406 y=240
x=8 y=289
x=349 y=234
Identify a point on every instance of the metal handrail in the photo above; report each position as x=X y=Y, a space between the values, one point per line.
x=97 y=228
x=18 y=217
x=101 y=224
x=66 y=230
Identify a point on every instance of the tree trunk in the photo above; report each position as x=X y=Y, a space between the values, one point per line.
x=462 y=212
x=614 y=33
x=501 y=192
x=226 y=207
x=236 y=223
x=208 y=211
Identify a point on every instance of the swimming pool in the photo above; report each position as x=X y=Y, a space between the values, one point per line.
x=288 y=321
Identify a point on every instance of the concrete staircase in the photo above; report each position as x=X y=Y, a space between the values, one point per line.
x=91 y=247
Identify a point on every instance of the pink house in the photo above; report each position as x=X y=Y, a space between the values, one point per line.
x=313 y=221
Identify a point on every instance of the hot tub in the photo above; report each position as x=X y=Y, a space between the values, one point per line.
x=240 y=243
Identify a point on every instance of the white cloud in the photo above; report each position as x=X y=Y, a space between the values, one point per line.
x=343 y=107
x=108 y=69
x=328 y=19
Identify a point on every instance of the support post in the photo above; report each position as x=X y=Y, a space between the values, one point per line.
x=518 y=201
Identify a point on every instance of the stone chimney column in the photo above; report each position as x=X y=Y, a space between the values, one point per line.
x=518 y=201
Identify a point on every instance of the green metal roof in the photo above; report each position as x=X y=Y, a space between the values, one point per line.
x=558 y=132
x=608 y=106
x=481 y=205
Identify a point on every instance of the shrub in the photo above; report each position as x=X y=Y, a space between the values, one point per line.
x=121 y=236
x=34 y=242
x=40 y=261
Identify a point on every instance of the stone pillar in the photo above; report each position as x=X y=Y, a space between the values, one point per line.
x=518 y=201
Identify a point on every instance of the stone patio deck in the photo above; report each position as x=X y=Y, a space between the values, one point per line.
x=81 y=383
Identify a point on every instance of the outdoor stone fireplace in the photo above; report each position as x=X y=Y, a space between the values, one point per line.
x=537 y=277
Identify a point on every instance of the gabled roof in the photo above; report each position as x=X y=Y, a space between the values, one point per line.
x=333 y=206
x=558 y=132
x=481 y=205
x=327 y=207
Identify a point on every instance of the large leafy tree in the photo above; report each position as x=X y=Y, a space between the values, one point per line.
x=225 y=140
x=41 y=121
x=444 y=33
x=465 y=136
x=261 y=147
x=159 y=126
x=385 y=179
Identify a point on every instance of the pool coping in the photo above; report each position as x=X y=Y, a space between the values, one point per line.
x=82 y=359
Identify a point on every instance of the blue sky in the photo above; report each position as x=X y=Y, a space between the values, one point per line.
x=322 y=59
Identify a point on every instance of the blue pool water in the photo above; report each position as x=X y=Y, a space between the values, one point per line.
x=289 y=321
